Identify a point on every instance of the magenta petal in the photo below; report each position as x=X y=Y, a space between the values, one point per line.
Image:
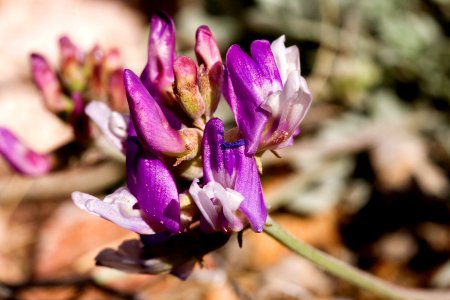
x=47 y=82
x=69 y=51
x=227 y=164
x=152 y=184
x=245 y=90
x=249 y=185
x=22 y=159
x=161 y=53
x=206 y=49
x=150 y=123
x=213 y=164
x=263 y=56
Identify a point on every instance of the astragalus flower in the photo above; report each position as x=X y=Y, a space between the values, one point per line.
x=171 y=128
x=232 y=190
x=267 y=94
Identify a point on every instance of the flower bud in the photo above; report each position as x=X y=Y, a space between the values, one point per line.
x=47 y=83
x=192 y=143
x=186 y=87
x=116 y=91
x=211 y=69
x=72 y=71
x=95 y=72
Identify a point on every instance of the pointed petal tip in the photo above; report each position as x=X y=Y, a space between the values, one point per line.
x=22 y=159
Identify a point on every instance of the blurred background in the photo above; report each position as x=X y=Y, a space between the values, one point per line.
x=367 y=180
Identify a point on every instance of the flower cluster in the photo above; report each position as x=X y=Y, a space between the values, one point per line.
x=81 y=78
x=190 y=182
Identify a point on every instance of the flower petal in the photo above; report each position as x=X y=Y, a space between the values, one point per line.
x=227 y=164
x=249 y=185
x=213 y=161
x=230 y=201
x=209 y=212
x=263 y=56
x=161 y=55
x=150 y=123
x=245 y=89
x=287 y=59
x=112 y=124
x=22 y=159
x=47 y=82
x=206 y=49
x=288 y=109
x=152 y=184
x=117 y=208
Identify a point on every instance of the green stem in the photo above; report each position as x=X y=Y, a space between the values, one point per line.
x=359 y=278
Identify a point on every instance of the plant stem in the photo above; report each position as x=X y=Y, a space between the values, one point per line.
x=359 y=278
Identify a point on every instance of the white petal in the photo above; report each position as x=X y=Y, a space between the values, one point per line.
x=287 y=59
x=297 y=99
x=229 y=200
x=118 y=125
x=205 y=205
x=108 y=123
x=116 y=207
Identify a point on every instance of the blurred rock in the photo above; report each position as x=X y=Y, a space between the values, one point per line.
x=69 y=234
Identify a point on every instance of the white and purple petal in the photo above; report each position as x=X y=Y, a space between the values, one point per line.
x=231 y=180
x=113 y=125
x=246 y=86
x=117 y=207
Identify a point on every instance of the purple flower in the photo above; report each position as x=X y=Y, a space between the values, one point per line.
x=47 y=82
x=22 y=159
x=266 y=93
x=158 y=74
x=232 y=188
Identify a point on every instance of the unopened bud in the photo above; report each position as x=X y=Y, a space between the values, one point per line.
x=116 y=91
x=47 y=82
x=72 y=71
x=210 y=86
x=94 y=70
x=211 y=69
x=112 y=60
x=192 y=143
x=186 y=87
x=206 y=49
